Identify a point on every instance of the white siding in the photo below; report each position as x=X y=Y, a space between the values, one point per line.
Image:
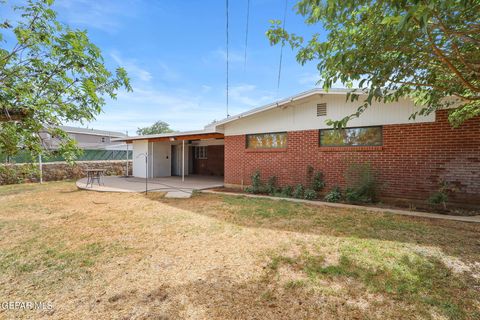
x=179 y=164
x=140 y=148
x=302 y=115
x=161 y=159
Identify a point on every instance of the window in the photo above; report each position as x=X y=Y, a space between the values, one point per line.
x=267 y=140
x=363 y=136
x=104 y=139
x=200 y=152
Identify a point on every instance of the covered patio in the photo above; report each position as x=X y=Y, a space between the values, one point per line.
x=180 y=154
x=173 y=186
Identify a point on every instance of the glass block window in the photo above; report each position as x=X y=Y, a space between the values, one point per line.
x=361 y=136
x=267 y=140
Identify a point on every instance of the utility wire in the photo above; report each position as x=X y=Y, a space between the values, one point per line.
x=246 y=36
x=227 y=44
x=281 y=48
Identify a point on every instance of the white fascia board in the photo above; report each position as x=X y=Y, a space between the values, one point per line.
x=303 y=95
x=166 y=135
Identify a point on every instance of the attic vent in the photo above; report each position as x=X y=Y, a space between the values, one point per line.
x=321 y=109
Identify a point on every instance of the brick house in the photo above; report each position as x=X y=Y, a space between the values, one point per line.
x=411 y=157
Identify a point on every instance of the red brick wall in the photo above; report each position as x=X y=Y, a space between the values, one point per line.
x=412 y=162
x=213 y=165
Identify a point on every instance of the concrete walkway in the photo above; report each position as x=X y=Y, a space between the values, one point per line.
x=475 y=219
x=173 y=186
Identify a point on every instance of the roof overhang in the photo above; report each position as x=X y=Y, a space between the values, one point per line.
x=175 y=136
x=280 y=103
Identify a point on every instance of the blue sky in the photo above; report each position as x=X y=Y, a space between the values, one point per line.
x=174 y=52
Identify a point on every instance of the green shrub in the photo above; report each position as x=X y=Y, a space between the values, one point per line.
x=256 y=182
x=335 y=195
x=352 y=195
x=310 y=194
x=441 y=195
x=13 y=174
x=361 y=183
x=298 y=192
x=287 y=191
x=314 y=179
x=272 y=185
x=318 y=182
x=8 y=175
x=257 y=186
x=438 y=197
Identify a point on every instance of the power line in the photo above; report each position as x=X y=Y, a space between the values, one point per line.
x=281 y=48
x=246 y=36
x=227 y=44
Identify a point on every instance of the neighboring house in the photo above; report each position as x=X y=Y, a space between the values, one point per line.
x=412 y=157
x=89 y=139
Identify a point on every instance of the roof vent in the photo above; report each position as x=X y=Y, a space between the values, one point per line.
x=321 y=109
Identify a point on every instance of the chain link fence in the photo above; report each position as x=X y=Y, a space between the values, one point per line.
x=87 y=155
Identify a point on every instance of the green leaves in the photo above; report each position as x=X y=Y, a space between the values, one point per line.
x=156 y=128
x=391 y=20
x=403 y=21
x=427 y=50
x=54 y=74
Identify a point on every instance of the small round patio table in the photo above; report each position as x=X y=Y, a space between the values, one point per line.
x=95 y=175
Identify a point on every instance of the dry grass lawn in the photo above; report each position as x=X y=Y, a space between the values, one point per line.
x=127 y=256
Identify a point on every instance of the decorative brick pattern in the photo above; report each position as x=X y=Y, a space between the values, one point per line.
x=413 y=161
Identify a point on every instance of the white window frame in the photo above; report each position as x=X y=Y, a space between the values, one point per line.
x=201 y=152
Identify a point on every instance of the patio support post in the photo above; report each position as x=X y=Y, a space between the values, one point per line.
x=183 y=160
x=126 y=174
x=146 y=172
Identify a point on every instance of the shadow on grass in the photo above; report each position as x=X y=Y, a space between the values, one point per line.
x=71 y=191
x=54 y=186
x=361 y=293
x=459 y=239
x=425 y=283
x=419 y=281
x=222 y=297
x=13 y=189
x=34 y=256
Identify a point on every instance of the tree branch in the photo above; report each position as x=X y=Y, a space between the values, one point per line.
x=448 y=33
x=450 y=66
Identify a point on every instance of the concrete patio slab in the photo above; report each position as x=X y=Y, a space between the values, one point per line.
x=173 y=186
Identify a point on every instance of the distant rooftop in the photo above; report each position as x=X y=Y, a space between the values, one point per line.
x=96 y=132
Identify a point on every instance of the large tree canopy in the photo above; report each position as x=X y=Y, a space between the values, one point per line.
x=49 y=74
x=156 y=128
x=426 y=50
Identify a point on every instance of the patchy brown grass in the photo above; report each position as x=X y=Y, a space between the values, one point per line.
x=127 y=256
